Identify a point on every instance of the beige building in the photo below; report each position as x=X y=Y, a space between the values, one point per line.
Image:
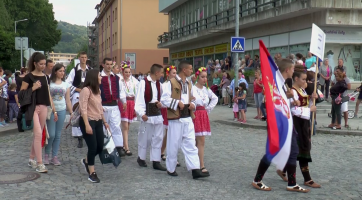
x=64 y=58
x=128 y=30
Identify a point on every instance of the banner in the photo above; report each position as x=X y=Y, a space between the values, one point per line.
x=131 y=58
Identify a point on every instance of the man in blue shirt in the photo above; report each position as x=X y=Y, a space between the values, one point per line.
x=241 y=79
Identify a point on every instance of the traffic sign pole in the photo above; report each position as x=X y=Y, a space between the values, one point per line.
x=21 y=53
x=236 y=55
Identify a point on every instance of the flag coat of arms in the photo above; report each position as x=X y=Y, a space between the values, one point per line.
x=279 y=120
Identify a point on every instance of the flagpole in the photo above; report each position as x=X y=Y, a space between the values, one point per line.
x=236 y=59
x=315 y=90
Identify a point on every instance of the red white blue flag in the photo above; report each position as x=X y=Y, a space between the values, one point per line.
x=279 y=120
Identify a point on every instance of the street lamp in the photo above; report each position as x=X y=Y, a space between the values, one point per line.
x=19 y=21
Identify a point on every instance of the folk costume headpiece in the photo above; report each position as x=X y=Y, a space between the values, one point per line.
x=168 y=69
x=198 y=72
x=125 y=65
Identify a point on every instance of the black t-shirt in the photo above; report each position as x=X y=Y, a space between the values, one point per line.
x=19 y=81
x=42 y=94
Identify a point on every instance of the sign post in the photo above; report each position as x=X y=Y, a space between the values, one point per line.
x=237 y=45
x=236 y=53
x=21 y=43
x=317 y=45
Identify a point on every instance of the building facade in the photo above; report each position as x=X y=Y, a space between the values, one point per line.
x=200 y=30
x=93 y=53
x=63 y=58
x=127 y=33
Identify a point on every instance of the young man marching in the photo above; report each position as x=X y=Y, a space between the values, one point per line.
x=76 y=78
x=148 y=106
x=111 y=91
x=177 y=96
x=286 y=67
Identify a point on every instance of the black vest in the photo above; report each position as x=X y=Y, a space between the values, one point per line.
x=78 y=76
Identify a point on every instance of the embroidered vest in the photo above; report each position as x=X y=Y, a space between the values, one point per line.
x=302 y=97
x=176 y=91
x=77 y=76
x=107 y=96
x=148 y=90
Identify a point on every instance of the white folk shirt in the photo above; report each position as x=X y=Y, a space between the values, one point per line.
x=122 y=94
x=205 y=97
x=167 y=100
x=130 y=86
x=140 y=105
x=298 y=111
x=71 y=75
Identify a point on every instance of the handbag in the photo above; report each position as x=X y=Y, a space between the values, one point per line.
x=49 y=108
x=109 y=153
x=74 y=120
x=320 y=98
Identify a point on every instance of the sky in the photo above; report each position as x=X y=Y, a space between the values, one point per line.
x=75 y=11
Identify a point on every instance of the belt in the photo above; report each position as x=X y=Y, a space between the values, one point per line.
x=200 y=108
x=152 y=110
x=130 y=98
x=184 y=113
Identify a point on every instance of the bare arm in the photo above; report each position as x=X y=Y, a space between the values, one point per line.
x=17 y=100
x=68 y=102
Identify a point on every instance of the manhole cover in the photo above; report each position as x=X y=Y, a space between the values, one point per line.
x=17 y=177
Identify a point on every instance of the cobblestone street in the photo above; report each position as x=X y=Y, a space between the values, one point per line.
x=232 y=156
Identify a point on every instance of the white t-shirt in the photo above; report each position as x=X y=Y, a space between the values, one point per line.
x=58 y=95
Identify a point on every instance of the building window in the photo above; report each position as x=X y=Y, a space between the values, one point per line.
x=165 y=60
x=115 y=17
x=115 y=59
x=115 y=38
x=109 y=22
x=109 y=42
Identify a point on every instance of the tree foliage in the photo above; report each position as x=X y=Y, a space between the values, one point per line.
x=73 y=39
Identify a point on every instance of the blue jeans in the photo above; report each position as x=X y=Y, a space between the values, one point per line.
x=55 y=130
x=262 y=108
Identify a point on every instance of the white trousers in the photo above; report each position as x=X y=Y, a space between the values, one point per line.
x=150 y=135
x=113 y=118
x=181 y=135
x=76 y=130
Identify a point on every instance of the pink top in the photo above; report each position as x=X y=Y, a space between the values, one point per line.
x=90 y=104
x=328 y=71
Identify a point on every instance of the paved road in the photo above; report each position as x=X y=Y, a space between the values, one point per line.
x=232 y=156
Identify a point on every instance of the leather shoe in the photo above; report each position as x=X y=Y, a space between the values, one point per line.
x=172 y=174
x=80 y=142
x=121 y=152
x=141 y=163
x=197 y=173
x=158 y=166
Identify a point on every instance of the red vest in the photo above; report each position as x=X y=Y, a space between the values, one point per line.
x=303 y=98
x=148 y=91
x=106 y=95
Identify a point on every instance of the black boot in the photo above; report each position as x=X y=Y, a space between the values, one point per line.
x=121 y=152
x=172 y=174
x=158 y=166
x=80 y=142
x=141 y=163
x=197 y=173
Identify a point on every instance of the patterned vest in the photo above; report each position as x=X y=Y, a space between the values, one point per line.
x=148 y=91
x=176 y=92
x=107 y=96
x=302 y=97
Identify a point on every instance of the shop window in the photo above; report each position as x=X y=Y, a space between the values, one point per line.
x=198 y=62
x=165 y=60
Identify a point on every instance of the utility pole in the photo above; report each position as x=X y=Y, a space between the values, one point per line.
x=236 y=55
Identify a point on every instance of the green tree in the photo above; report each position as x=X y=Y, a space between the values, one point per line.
x=41 y=27
x=74 y=37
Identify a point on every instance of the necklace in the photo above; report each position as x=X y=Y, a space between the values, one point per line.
x=134 y=89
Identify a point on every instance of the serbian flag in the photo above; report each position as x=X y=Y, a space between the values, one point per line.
x=279 y=120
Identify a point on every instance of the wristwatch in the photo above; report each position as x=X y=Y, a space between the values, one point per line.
x=55 y=112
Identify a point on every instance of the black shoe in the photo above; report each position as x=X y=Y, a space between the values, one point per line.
x=163 y=157
x=178 y=164
x=173 y=173
x=121 y=152
x=127 y=152
x=197 y=173
x=85 y=165
x=158 y=166
x=80 y=142
x=93 y=178
x=141 y=163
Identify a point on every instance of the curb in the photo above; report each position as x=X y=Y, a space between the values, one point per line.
x=9 y=131
x=320 y=130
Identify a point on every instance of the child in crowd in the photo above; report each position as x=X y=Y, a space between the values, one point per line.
x=359 y=99
x=13 y=102
x=242 y=102
x=235 y=105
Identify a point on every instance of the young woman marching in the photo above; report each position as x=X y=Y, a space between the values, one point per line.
x=130 y=85
x=301 y=119
x=204 y=106
x=170 y=73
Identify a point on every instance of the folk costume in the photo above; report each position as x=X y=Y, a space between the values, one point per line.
x=290 y=167
x=150 y=131
x=164 y=108
x=130 y=88
x=181 y=131
x=111 y=92
x=76 y=79
x=301 y=118
x=205 y=101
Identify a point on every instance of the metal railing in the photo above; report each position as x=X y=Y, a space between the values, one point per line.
x=228 y=15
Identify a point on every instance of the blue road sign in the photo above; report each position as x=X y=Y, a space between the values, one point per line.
x=237 y=44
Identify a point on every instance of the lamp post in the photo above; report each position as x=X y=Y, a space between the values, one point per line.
x=19 y=21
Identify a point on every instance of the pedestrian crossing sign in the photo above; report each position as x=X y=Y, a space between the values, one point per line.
x=237 y=44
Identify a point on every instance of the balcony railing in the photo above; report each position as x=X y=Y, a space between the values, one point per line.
x=228 y=15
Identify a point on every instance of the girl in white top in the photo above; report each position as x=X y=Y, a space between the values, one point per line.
x=130 y=86
x=205 y=101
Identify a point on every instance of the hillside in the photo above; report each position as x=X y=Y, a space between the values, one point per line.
x=74 y=37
